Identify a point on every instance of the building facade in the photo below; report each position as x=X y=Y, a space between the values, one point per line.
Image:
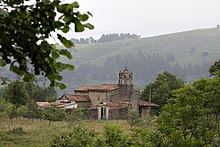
x=113 y=101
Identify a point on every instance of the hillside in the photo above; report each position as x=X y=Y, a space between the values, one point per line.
x=187 y=54
x=187 y=47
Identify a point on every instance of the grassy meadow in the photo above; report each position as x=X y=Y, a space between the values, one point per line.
x=39 y=133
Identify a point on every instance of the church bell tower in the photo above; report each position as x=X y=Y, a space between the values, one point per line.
x=125 y=77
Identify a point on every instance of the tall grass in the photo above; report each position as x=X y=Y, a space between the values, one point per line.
x=39 y=133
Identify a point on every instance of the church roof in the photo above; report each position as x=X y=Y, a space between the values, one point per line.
x=143 y=103
x=103 y=87
x=77 y=98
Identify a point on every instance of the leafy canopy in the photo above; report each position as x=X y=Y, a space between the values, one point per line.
x=21 y=93
x=161 y=89
x=215 y=68
x=25 y=27
x=192 y=116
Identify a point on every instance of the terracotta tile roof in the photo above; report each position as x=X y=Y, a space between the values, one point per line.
x=147 y=104
x=103 y=87
x=77 y=98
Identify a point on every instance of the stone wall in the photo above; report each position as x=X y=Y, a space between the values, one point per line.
x=126 y=93
x=83 y=104
x=91 y=113
x=118 y=113
x=97 y=97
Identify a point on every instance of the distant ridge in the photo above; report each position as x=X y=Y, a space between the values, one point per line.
x=180 y=44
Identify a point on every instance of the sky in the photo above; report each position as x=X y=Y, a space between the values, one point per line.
x=148 y=17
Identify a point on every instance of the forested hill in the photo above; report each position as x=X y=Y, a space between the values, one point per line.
x=187 y=54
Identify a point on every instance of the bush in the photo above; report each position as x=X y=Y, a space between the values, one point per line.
x=134 y=118
x=114 y=137
x=53 y=114
x=79 y=137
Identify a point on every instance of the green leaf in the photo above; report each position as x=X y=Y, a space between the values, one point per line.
x=51 y=77
x=89 y=26
x=2 y=62
x=68 y=7
x=70 y=67
x=78 y=26
x=66 y=43
x=55 y=55
x=60 y=66
x=75 y=4
x=65 y=29
x=16 y=70
x=59 y=78
x=84 y=17
x=66 y=53
x=60 y=85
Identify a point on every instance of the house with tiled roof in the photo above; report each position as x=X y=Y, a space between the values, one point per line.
x=82 y=101
x=111 y=101
x=57 y=104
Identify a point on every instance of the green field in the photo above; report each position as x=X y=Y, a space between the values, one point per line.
x=40 y=134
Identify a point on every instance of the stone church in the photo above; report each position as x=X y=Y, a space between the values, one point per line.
x=110 y=101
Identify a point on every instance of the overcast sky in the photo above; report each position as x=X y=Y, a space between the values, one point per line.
x=149 y=17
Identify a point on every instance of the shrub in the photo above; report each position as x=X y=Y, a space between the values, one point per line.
x=79 y=137
x=114 y=137
x=134 y=118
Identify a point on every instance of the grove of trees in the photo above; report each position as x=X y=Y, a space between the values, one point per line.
x=144 y=68
x=105 y=38
x=161 y=89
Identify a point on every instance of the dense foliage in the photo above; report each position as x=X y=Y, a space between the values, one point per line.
x=215 y=68
x=20 y=93
x=192 y=116
x=161 y=89
x=25 y=28
x=144 y=68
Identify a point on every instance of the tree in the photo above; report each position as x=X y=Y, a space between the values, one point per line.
x=161 y=89
x=192 y=116
x=39 y=93
x=16 y=93
x=53 y=114
x=25 y=29
x=215 y=68
x=21 y=93
x=11 y=111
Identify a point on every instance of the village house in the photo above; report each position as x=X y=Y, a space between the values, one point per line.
x=109 y=101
